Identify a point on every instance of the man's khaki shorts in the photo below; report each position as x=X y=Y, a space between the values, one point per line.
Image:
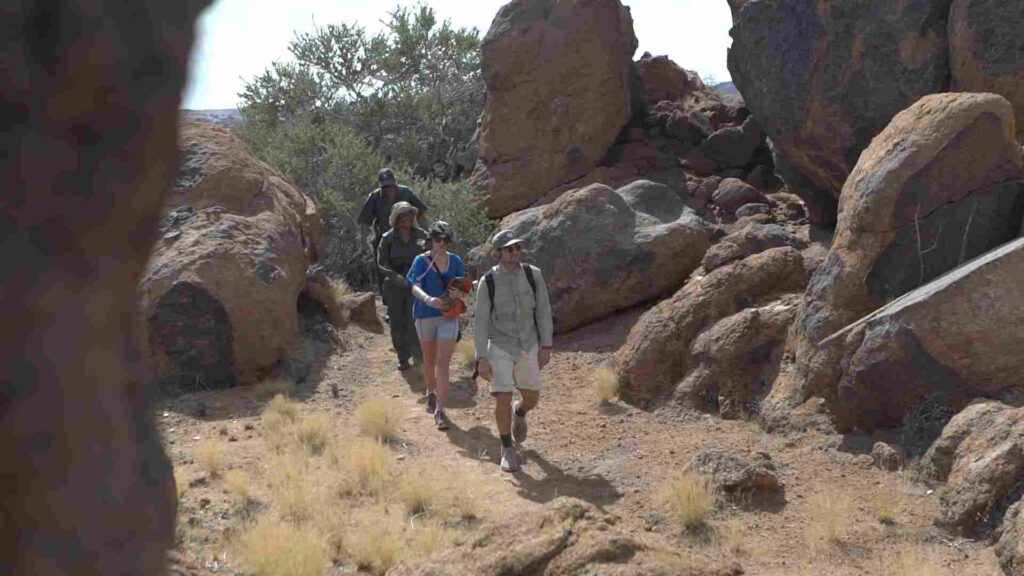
x=522 y=372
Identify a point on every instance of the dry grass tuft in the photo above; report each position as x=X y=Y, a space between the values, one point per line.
x=427 y=488
x=379 y=418
x=914 y=563
x=830 y=515
x=271 y=387
x=279 y=417
x=425 y=540
x=287 y=409
x=688 y=498
x=887 y=504
x=465 y=351
x=289 y=491
x=375 y=542
x=340 y=290
x=180 y=482
x=314 y=433
x=211 y=455
x=275 y=548
x=605 y=383
x=237 y=484
x=729 y=537
x=370 y=463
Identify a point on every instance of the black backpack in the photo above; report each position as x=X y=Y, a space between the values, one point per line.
x=489 y=279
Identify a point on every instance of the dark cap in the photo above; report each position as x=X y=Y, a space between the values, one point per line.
x=386 y=177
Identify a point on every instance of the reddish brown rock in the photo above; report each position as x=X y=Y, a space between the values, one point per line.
x=664 y=80
x=596 y=247
x=987 y=50
x=824 y=78
x=941 y=185
x=91 y=98
x=538 y=58
x=218 y=303
x=656 y=355
x=1010 y=541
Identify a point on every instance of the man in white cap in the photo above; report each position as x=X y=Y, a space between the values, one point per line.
x=513 y=335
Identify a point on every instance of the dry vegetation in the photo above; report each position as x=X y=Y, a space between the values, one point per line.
x=688 y=498
x=380 y=419
x=830 y=517
x=211 y=455
x=605 y=384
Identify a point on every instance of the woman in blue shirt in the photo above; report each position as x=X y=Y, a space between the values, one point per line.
x=430 y=276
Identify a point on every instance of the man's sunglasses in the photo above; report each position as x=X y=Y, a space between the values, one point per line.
x=513 y=248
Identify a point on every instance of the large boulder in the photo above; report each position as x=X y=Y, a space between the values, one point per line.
x=218 y=302
x=987 y=50
x=664 y=80
x=733 y=193
x=597 y=248
x=737 y=478
x=657 y=354
x=986 y=472
x=941 y=185
x=91 y=97
x=1010 y=541
x=823 y=78
x=538 y=58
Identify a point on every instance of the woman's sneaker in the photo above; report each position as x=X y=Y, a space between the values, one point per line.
x=440 y=421
x=431 y=403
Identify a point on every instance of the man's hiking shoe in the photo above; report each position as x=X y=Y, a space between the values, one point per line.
x=519 y=427
x=431 y=403
x=403 y=365
x=509 y=460
x=440 y=421
x=387 y=319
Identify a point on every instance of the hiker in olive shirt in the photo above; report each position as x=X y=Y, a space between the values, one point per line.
x=376 y=212
x=398 y=247
x=513 y=333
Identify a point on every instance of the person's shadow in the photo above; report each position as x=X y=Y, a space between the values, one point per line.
x=480 y=443
x=462 y=392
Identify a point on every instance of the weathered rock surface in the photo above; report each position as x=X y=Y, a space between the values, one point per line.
x=664 y=80
x=565 y=538
x=597 y=247
x=885 y=457
x=824 y=78
x=987 y=50
x=656 y=355
x=218 y=302
x=739 y=479
x=986 y=475
x=733 y=193
x=941 y=185
x=1010 y=541
x=91 y=100
x=538 y=58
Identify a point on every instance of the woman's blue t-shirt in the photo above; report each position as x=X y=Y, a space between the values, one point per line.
x=427 y=277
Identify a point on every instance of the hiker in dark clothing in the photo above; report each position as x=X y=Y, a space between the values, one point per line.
x=398 y=247
x=376 y=212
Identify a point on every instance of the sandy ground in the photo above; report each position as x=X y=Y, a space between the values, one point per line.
x=613 y=456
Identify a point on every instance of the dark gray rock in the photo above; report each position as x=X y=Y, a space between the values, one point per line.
x=733 y=193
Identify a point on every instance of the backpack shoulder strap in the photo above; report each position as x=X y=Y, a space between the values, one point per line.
x=529 y=277
x=489 y=281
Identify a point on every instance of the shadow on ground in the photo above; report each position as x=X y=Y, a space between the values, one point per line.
x=480 y=443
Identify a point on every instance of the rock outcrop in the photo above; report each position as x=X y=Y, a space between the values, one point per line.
x=981 y=456
x=660 y=350
x=1010 y=541
x=218 y=303
x=987 y=50
x=824 y=78
x=740 y=479
x=941 y=185
x=598 y=247
x=91 y=98
x=566 y=537
x=558 y=95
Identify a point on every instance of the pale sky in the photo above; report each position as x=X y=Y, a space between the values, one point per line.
x=238 y=39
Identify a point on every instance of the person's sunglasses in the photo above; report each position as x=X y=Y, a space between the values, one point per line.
x=513 y=248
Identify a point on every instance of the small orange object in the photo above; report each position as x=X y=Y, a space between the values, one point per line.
x=455 y=307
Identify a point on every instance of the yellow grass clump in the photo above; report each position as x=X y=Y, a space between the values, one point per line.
x=341 y=290
x=375 y=542
x=274 y=548
x=211 y=455
x=370 y=463
x=237 y=484
x=314 y=433
x=605 y=384
x=914 y=563
x=887 y=504
x=180 y=482
x=290 y=493
x=830 y=517
x=688 y=498
x=465 y=351
x=379 y=418
x=279 y=417
x=429 y=488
